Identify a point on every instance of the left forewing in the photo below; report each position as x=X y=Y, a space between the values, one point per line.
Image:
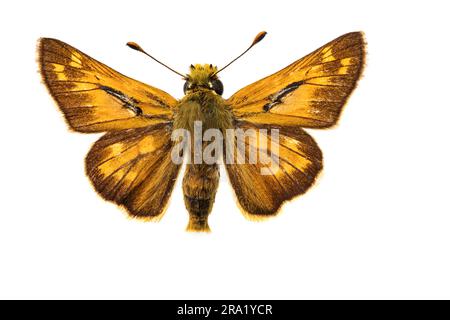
x=96 y=98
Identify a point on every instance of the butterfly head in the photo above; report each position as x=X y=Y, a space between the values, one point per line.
x=203 y=77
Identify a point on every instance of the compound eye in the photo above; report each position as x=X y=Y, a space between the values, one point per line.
x=217 y=86
x=186 y=87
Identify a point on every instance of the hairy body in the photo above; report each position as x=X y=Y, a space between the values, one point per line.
x=201 y=180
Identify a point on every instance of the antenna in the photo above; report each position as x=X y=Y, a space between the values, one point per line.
x=257 y=39
x=135 y=46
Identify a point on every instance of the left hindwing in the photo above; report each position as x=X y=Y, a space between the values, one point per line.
x=308 y=93
x=94 y=97
x=134 y=168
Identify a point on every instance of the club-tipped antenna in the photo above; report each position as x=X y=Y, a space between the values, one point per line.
x=257 y=39
x=135 y=46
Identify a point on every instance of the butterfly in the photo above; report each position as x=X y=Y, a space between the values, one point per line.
x=132 y=164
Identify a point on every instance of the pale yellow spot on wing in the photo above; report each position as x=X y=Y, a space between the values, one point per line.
x=76 y=57
x=75 y=61
x=57 y=67
x=329 y=58
x=61 y=76
x=59 y=71
x=116 y=148
x=346 y=62
x=343 y=70
x=107 y=168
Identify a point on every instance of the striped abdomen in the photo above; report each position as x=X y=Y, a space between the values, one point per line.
x=200 y=184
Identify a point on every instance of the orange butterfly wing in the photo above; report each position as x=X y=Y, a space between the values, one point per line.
x=131 y=164
x=94 y=97
x=133 y=168
x=287 y=167
x=308 y=93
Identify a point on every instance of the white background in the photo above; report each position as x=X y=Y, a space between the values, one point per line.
x=376 y=225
